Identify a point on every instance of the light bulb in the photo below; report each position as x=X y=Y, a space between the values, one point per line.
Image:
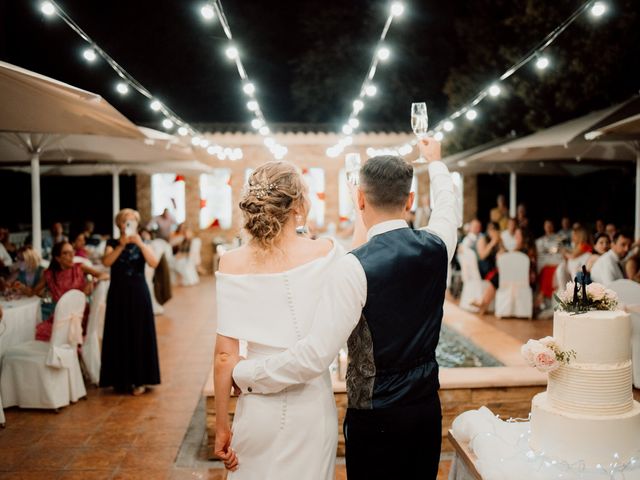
x=252 y=105
x=195 y=141
x=166 y=123
x=207 y=12
x=232 y=53
x=256 y=123
x=494 y=90
x=358 y=105
x=371 y=90
x=347 y=129
x=264 y=130
x=439 y=136
x=542 y=63
x=155 y=105
x=598 y=9
x=182 y=131
x=212 y=150
x=448 y=125
x=89 y=55
x=270 y=142
x=396 y=9
x=332 y=152
x=249 y=88
x=122 y=88
x=47 y=8
x=471 y=114
x=204 y=143
x=383 y=53
x=354 y=122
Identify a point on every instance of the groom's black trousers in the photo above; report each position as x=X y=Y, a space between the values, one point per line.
x=394 y=443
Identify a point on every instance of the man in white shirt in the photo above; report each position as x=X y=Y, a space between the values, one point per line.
x=386 y=297
x=475 y=232
x=608 y=267
x=508 y=236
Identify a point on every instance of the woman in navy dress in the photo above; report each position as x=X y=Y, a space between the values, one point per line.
x=129 y=346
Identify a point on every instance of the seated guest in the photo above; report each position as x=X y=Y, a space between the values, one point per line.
x=9 y=247
x=500 y=213
x=566 y=231
x=547 y=248
x=508 y=235
x=609 y=266
x=5 y=259
x=79 y=244
x=521 y=216
x=549 y=242
x=600 y=247
x=178 y=239
x=57 y=236
x=90 y=237
x=29 y=270
x=580 y=242
x=632 y=268
x=61 y=276
x=610 y=230
x=162 y=225
x=599 y=226
x=524 y=244
x=471 y=238
x=488 y=248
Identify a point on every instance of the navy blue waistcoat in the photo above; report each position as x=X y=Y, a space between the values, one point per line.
x=392 y=349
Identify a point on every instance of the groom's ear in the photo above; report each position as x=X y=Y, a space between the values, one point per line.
x=360 y=200
x=409 y=205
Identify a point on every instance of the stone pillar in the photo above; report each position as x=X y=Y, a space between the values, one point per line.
x=143 y=197
x=470 y=197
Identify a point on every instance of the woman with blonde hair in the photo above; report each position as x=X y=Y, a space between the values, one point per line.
x=129 y=345
x=267 y=293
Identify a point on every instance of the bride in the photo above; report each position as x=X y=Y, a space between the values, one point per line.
x=267 y=293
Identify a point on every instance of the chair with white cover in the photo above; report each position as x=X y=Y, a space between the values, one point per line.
x=629 y=296
x=39 y=374
x=186 y=265
x=91 y=353
x=514 y=297
x=158 y=248
x=473 y=286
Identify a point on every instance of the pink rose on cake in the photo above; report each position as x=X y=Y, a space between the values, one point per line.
x=596 y=291
x=545 y=361
x=545 y=354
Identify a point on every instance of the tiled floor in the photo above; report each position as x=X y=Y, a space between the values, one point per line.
x=109 y=436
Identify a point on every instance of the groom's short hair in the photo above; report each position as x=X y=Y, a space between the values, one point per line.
x=386 y=181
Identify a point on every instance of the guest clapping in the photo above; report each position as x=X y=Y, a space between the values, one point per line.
x=489 y=247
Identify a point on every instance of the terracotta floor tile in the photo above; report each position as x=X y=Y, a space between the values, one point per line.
x=86 y=475
x=160 y=438
x=198 y=474
x=98 y=458
x=14 y=436
x=66 y=437
x=150 y=458
x=142 y=474
x=47 y=457
x=112 y=437
x=51 y=475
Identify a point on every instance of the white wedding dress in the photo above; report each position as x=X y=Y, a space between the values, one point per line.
x=291 y=435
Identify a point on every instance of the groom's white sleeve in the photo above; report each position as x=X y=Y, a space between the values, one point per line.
x=337 y=315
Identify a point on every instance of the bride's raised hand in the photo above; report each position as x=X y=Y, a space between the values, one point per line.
x=222 y=449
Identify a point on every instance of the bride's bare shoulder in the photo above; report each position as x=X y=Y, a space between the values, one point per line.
x=235 y=261
x=319 y=247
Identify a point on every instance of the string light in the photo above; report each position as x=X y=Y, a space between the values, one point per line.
x=534 y=55
x=195 y=141
x=347 y=129
x=448 y=126
x=354 y=122
x=371 y=90
x=122 y=88
x=207 y=12
x=542 y=63
x=264 y=130
x=439 y=136
x=89 y=55
x=231 y=53
x=256 y=123
x=166 y=123
x=249 y=88
x=383 y=53
x=155 y=105
x=47 y=8
x=396 y=9
x=253 y=105
x=183 y=131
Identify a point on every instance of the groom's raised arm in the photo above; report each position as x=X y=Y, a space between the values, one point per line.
x=445 y=216
x=338 y=313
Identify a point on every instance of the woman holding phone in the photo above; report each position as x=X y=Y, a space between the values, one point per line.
x=129 y=346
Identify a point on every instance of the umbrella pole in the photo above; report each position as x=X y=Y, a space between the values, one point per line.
x=512 y=194
x=116 y=201
x=36 y=219
x=637 y=230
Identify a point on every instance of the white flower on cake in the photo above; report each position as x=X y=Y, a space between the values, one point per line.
x=598 y=297
x=545 y=354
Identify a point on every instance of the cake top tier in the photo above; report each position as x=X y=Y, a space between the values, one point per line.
x=601 y=337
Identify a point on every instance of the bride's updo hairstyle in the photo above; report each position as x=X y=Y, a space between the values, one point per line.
x=275 y=189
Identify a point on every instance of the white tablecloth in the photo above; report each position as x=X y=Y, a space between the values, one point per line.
x=19 y=321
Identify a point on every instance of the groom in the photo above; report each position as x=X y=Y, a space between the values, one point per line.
x=386 y=298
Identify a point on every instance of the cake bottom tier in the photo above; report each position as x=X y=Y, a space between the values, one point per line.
x=588 y=438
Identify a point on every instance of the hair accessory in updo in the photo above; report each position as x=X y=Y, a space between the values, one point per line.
x=260 y=190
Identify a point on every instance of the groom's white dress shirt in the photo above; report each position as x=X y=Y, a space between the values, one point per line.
x=607 y=268
x=342 y=302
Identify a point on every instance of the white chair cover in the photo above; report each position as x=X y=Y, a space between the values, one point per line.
x=629 y=295
x=91 y=347
x=186 y=266
x=514 y=297
x=47 y=374
x=473 y=286
x=2 y=420
x=158 y=248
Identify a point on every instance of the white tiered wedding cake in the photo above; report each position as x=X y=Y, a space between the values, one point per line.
x=588 y=413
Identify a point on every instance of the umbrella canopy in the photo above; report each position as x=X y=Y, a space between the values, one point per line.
x=33 y=103
x=191 y=167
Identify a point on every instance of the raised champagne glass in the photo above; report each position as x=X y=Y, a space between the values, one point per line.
x=419 y=123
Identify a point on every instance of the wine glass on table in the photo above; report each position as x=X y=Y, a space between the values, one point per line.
x=419 y=123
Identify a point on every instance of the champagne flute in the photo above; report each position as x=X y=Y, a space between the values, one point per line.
x=419 y=123
x=352 y=167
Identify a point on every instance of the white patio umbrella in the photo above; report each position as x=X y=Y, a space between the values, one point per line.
x=36 y=112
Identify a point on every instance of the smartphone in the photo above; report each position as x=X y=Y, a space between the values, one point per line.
x=130 y=228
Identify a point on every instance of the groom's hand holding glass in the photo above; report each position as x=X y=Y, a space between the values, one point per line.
x=429 y=149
